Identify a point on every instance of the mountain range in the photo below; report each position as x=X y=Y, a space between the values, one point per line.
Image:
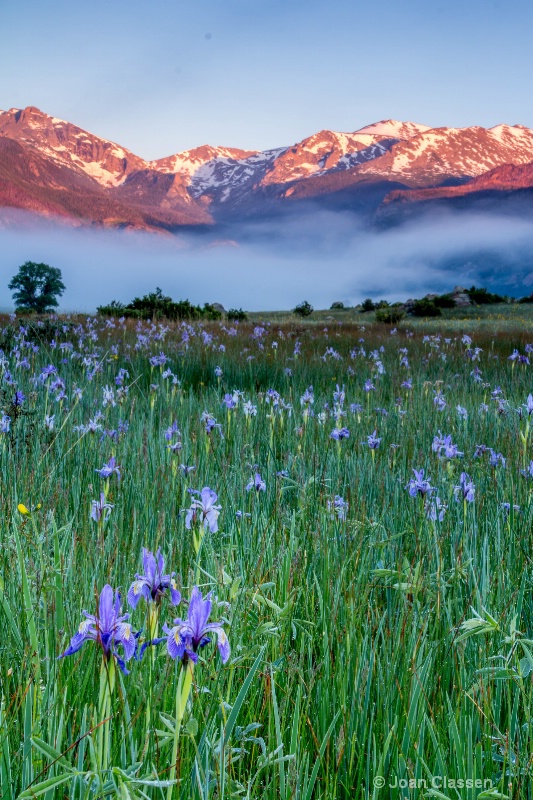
x=388 y=171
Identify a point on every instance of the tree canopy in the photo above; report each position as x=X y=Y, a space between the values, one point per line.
x=36 y=287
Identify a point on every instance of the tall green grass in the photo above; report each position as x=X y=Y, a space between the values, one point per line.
x=347 y=660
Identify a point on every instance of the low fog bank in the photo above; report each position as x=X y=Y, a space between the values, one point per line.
x=271 y=265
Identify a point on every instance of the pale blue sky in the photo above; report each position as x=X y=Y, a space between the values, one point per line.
x=163 y=76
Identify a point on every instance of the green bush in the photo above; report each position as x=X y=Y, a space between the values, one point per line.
x=425 y=308
x=113 y=309
x=444 y=301
x=303 y=309
x=367 y=305
x=389 y=315
x=207 y=312
x=237 y=315
x=156 y=305
x=482 y=297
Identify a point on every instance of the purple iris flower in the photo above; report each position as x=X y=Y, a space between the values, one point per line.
x=256 y=483
x=188 y=636
x=186 y=470
x=369 y=386
x=466 y=490
x=19 y=398
x=109 y=469
x=153 y=583
x=439 y=401
x=445 y=447
x=373 y=441
x=435 y=509
x=450 y=449
x=339 y=506
x=419 y=486
x=529 y=405
x=502 y=408
x=496 y=458
x=308 y=398
x=211 y=423
x=172 y=431
x=339 y=395
x=46 y=372
x=528 y=472
x=101 y=508
x=204 y=510
x=272 y=397
x=175 y=448
x=339 y=433
x=463 y=413
x=229 y=401
x=108 y=629
x=438 y=443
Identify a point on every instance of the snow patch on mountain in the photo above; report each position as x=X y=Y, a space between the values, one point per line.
x=232 y=174
x=189 y=161
x=440 y=153
x=394 y=129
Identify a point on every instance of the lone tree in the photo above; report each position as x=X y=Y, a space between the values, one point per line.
x=303 y=309
x=36 y=287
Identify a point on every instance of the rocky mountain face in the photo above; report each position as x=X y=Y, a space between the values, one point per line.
x=31 y=182
x=502 y=181
x=58 y=169
x=54 y=168
x=69 y=145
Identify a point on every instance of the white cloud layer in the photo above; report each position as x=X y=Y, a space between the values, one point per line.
x=321 y=257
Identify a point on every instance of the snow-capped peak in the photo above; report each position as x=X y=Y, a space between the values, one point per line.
x=189 y=161
x=390 y=150
x=394 y=128
x=505 y=132
x=102 y=160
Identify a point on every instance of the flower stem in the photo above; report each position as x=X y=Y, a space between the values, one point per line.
x=28 y=610
x=107 y=685
x=153 y=627
x=182 y=695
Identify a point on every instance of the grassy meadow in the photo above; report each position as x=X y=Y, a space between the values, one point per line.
x=380 y=620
